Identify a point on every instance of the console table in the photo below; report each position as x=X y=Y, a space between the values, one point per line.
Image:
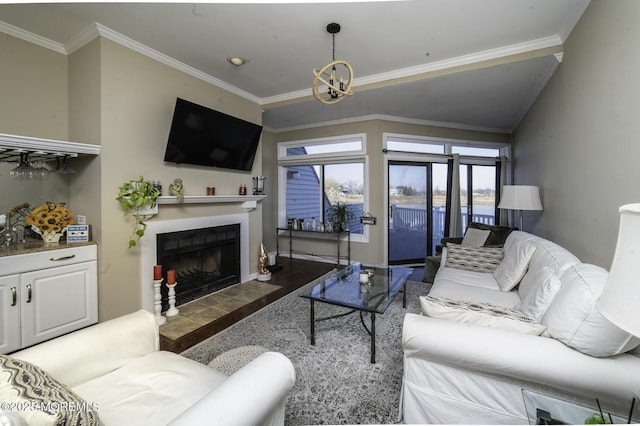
x=314 y=234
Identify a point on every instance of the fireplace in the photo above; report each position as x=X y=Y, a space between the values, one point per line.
x=149 y=249
x=205 y=260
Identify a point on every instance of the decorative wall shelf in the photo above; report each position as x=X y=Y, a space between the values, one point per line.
x=249 y=202
x=11 y=146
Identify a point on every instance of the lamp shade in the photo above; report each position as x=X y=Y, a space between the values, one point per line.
x=620 y=298
x=520 y=197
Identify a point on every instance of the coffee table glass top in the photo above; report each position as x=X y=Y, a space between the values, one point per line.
x=342 y=287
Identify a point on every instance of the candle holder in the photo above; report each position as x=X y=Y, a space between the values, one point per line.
x=258 y=185
x=157 y=304
x=172 y=300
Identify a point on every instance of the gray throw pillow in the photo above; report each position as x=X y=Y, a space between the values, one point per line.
x=38 y=398
x=475 y=237
x=476 y=259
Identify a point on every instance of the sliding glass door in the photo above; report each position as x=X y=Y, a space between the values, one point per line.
x=416 y=199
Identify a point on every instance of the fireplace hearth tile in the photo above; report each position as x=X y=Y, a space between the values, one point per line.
x=214 y=299
x=295 y=274
x=214 y=306
x=207 y=315
x=231 y=305
x=191 y=308
x=178 y=326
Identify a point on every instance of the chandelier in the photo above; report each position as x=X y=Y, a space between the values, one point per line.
x=337 y=87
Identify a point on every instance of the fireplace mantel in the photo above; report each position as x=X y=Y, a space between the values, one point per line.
x=249 y=202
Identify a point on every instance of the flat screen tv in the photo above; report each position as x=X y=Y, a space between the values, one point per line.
x=205 y=137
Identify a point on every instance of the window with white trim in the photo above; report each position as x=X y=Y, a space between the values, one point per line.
x=316 y=174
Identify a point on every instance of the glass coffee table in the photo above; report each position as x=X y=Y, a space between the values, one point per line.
x=344 y=288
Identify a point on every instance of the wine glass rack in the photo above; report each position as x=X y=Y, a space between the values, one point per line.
x=12 y=147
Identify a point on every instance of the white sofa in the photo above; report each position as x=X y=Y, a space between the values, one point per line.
x=470 y=363
x=117 y=369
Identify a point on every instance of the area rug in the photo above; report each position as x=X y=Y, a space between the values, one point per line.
x=335 y=381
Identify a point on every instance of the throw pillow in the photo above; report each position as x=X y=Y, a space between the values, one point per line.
x=514 y=265
x=475 y=237
x=431 y=266
x=574 y=319
x=39 y=398
x=476 y=259
x=484 y=314
x=536 y=297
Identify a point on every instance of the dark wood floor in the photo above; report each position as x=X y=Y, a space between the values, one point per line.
x=294 y=274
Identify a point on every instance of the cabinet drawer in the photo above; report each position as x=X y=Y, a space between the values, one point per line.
x=47 y=259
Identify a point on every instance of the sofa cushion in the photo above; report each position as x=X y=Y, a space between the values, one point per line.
x=39 y=398
x=150 y=390
x=471 y=286
x=477 y=259
x=483 y=314
x=551 y=255
x=514 y=265
x=538 y=293
x=475 y=237
x=573 y=318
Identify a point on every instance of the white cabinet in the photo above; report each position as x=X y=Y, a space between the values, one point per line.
x=10 y=315
x=46 y=294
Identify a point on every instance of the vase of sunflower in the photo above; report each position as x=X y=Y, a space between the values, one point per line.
x=50 y=221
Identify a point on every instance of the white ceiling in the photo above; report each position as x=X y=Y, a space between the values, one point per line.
x=470 y=63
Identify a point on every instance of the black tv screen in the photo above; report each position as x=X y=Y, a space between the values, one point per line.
x=205 y=137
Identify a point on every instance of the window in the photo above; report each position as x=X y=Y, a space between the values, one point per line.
x=317 y=174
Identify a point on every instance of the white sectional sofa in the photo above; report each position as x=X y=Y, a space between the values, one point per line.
x=496 y=324
x=115 y=370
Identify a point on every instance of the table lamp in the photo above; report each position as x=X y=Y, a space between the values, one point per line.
x=520 y=197
x=620 y=298
x=621 y=294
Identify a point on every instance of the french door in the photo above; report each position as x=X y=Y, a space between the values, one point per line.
x=417 y=196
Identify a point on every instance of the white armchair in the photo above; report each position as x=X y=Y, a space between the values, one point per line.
x=117 y=367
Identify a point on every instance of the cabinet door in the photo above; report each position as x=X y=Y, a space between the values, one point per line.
x=9 y=313
x=58 y=300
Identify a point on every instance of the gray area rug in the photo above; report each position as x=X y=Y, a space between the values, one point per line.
x=335 y=381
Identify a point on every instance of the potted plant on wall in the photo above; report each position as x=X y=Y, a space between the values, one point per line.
x=139 y=198
x=340 y=214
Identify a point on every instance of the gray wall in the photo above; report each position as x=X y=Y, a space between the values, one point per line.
x=579 y=142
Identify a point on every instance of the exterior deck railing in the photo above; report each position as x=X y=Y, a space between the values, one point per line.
x=415 y=219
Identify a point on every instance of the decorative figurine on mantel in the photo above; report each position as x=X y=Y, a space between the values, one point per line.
x=176 y=189
x=263 y=261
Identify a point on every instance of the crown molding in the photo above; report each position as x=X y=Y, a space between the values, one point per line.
x=32 y=38
x=83 y=38
x=171 y=62
x=96 y=29
x=448 y=125
x=451 y=63
x=574 y=16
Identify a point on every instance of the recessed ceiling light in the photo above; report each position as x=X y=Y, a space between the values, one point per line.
x=237 y=60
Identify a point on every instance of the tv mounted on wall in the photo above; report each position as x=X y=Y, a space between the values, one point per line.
x=205 y=137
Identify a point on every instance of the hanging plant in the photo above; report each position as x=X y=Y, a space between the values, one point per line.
x=138 y=198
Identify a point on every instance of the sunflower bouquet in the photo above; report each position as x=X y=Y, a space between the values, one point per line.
x=50 y=217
